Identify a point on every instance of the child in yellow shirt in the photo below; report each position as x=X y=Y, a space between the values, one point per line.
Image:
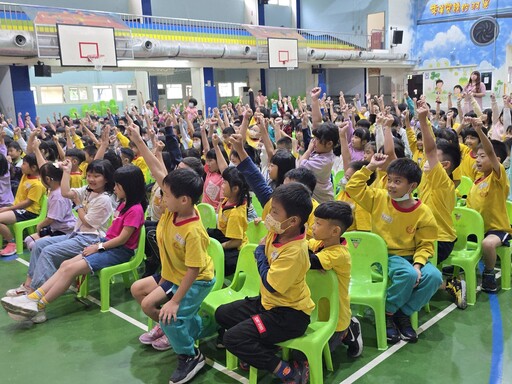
x=326 y=251
x=77 y=157
x=409 y=229
x=282 y=312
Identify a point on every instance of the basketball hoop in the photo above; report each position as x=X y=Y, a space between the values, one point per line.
x=97 y=61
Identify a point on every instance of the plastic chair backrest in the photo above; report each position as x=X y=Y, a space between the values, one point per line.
x=256 y=204
x=337 y=179
x=465 y=186
x=509 y=212
x=216 y=252
x=140 y=252
x=324 y=286
x=247 y=270
x=207 y=214
x=466 y=222
x=366 y=250
x=256 y=232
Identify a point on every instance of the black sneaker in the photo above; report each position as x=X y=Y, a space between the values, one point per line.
x=457 y=288
x=301 y=373
x=220 y=340
x=448 y=271
x=403 y=322
x=392 y=333
x=489 y=283
x=353 y=339
x=335 y=341
x=188 y=366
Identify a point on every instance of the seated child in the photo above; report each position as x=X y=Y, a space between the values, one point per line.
x=6 y=196
x=77 y=157
x=254 y=325
x=489 y=197
x=27 y=203
x=409 y=229
x=118 y=246
x=326 y=252
x=15 y=153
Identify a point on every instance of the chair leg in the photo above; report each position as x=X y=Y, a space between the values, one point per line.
x=471 y=286
x=328 y=357
x=414 y=320
x=253 y=375
x=105 y=292
x=504 y=255
x=286 y=354
x=316 y=372
x=231 y=361
x=126 y=279
x=18 y=237
x=380 y=328
x=150 y=324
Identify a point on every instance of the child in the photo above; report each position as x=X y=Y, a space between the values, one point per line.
x=212 y=193
x=59 y=219
x=118 y=246
x=437 y=191
x=174 y=297
x=254 y=325
x=77 y=157
x=138 y=161
x=93 y=207
x=326 y=252
x=15 y=154
x=6 y=196
x=468 y=154
x=232 y=217
x=488 y=196
x=409 y=229
x=27 y=203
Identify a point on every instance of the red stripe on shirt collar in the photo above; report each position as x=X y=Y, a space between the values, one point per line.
x=32 y=177
x=299 y=237
x=186 y=221
x=401 y=209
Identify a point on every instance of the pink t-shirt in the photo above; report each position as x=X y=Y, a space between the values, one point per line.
x=212 y=190
x=133 y=217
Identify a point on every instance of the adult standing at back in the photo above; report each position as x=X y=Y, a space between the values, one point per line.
x=476 y=88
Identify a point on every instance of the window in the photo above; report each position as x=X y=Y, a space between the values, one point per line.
x=34 y=93
x=237 y=87
x=174 y=91
x=119 y=90
x=188 y=91
x=225 y=90
x=284 y=3
x=78 y=93
x=52 y=95
x=102 y=92
x=160 y=86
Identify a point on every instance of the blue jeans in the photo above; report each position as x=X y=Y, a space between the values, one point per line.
x=183 y=332
x=49 y=253
x=401 y=293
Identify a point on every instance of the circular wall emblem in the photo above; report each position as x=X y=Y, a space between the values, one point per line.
x=484 y=31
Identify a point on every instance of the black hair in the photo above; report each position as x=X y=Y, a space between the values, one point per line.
x=500 y=149
x=91 y=150
x=295 y=199
x=211 y=154
x=77 y=154
x=31 y=161
x=195 y=164
x=4 y=165
x=235 y=179
x=191 y=152
x=185 y=182
x=49 y=149
x=470 y=131
x=357 y=165
x=228 y=131
x=103 y=167
x=363 y=123
x=406 y=168
x=458 y=87
x=114 y=159
x=451 y=153
x=439 y=81
x=419 y=136
x=131 y=179
x=363 y=134
x=327 y=132
x=338 y=211
x=284 y=161
x=449 y=135
x=15 y=145
x=193 y=101
x=128 y=152
x=285 y=142
x=51 y=171
x=304 y=176
x=234 y=154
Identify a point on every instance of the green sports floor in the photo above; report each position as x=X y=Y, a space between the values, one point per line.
x=79 y=344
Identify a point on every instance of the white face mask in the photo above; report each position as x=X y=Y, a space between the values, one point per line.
x=275 y=226
x=196 y=144
x=231 y=164
x=405 y=197
x=191 y=105
x=286 y=122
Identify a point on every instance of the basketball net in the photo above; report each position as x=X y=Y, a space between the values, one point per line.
x=97 y=61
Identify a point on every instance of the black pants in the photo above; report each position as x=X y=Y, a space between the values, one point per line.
x=152 y=264
x=444 y=248
x=252 y=332
x=230 y=255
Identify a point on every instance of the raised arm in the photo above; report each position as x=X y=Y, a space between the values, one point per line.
x=60 y=150
x=221 y=161
x=429 y=143
x=265 y=137
x=345 y=151
x=105 y=141
x=315 y=107
x=487 y=145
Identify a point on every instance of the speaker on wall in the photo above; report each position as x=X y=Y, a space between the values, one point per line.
x=397 y=37
x=41 y=70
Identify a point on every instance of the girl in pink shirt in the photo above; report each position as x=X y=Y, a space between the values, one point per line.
x=212 y=190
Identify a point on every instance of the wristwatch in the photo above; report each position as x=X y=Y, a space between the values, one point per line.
x=78 y=207
x=101 y=248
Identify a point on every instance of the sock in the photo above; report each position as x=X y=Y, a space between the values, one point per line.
x=285 y=371
x=41 y=304
x=29 y=241
x=36 y=295
x=488 y=270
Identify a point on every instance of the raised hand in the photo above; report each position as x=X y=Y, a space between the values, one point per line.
x=315 y=93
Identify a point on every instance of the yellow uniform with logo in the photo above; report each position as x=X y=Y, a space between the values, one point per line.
x=488 y=196
x=141 y=163
x=232 y=221
x=83 y=168
x=362 y=218
x=183 y=244
x=417 y=155
x=407 y=232
x=311 y=218
x=289 y=264
x=336 y=258
x=76 y=179
x=468 y=163
x=30 y=188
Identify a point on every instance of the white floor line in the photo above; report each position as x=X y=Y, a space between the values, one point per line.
x=144 y=327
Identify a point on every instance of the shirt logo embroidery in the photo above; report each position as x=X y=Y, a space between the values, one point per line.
x=180 y=240
x=274 y=255
x=386 y=218
x=410 y=229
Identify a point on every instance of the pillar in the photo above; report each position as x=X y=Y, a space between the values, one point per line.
x=203 y=88
x=142 y=85
x=15 y=93
x=255 y=81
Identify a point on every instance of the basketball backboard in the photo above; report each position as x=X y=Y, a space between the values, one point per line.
x=283 y=53
x=85 y=46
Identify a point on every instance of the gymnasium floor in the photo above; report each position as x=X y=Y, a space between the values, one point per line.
x=79 y=344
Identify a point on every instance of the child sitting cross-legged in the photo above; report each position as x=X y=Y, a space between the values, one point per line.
x=327 y=252
x=409 y=229
x=282 y=312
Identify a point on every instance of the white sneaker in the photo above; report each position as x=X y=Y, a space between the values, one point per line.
x=20 y=305
x=20 y=291
x=40 y=317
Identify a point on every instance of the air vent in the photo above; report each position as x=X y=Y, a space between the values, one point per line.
x=484 y=31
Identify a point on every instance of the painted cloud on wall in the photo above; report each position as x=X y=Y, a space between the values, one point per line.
x=445 y=40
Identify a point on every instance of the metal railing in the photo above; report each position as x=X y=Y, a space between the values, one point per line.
x=13 y=17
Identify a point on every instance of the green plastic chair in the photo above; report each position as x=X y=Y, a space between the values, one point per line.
x=112 y=104
x=463 y=189
x=85 y=109
x=208 y=215
x=256 y=232
x=336 y=180
x=504 y=253
x=315 y=342
x=105 y=275
x=466 y=254
x=29 y=225
x=367 y=249
x=256 y=204
x=73 y=113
